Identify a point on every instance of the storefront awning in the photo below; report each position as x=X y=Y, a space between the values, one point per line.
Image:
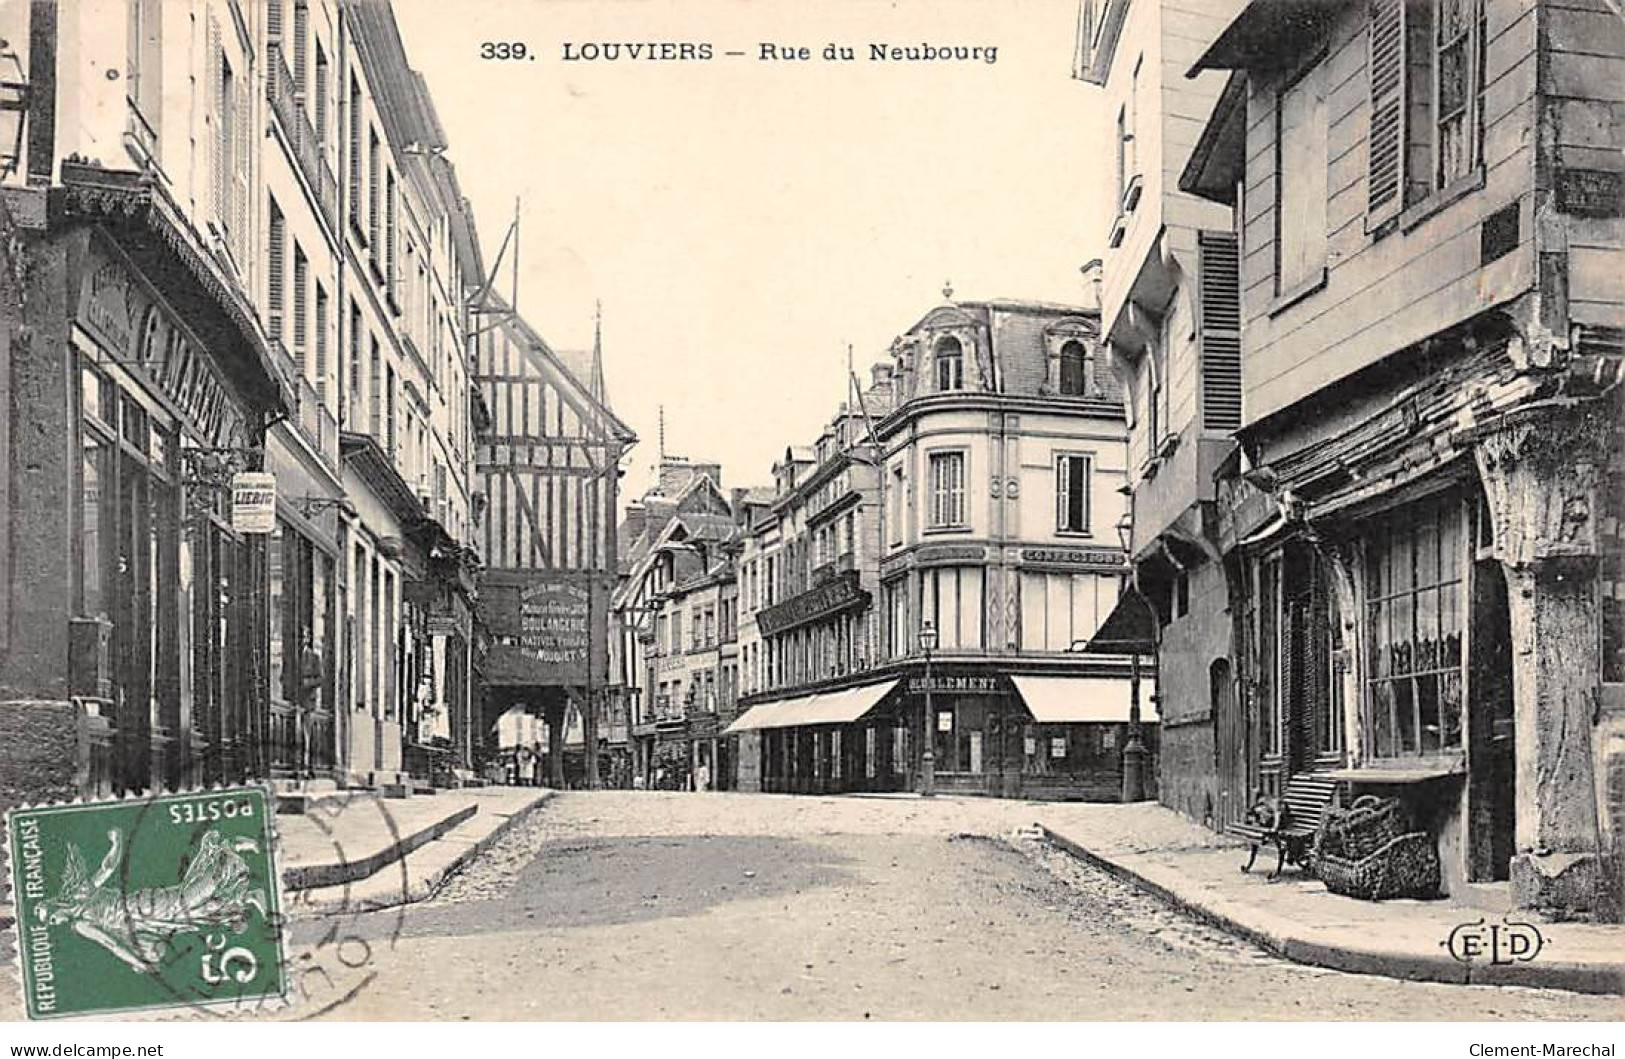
x=1068 y=700
x=848 y=704
x=770 y=715
x=830 y=707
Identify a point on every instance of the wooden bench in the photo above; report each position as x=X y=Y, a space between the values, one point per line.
x=1289 y=824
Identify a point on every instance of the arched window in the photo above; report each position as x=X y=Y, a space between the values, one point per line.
x=950 y=365
x=1074 y=370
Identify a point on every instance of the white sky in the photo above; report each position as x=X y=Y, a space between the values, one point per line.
x=742 y=220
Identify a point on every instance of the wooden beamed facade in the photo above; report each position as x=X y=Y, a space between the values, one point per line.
x=547 y=465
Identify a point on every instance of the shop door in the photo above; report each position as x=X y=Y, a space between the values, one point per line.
x=131 y=621
x=1002 y=751
x=1492 y=792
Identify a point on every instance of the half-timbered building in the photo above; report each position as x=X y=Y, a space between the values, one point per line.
x=546 y=471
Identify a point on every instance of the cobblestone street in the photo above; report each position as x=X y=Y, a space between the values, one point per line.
x=646 y=905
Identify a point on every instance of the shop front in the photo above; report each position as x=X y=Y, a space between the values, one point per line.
x=1052 y=737
x=160 y=610
x=831 y=742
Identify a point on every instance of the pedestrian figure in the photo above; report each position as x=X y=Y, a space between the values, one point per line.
x=310 y=691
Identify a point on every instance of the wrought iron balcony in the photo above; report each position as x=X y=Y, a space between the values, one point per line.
x=282 y=94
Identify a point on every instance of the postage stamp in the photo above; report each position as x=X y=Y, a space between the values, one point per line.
x=160 y=902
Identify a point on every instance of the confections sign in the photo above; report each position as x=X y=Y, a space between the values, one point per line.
x=1072 y=557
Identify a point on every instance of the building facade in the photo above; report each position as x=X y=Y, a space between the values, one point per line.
x=945 y=654
x=1423 y=517
x=240 y=599
x=673 y=626
x=809 y=571
x=1169 y=319
x=547 y=477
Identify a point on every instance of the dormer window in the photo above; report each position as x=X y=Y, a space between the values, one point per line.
x=950 y=359
x=1077 y=369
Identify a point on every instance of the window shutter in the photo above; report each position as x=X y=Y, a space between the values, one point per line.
x=1385 y=179
x=217 y=144
x=1219 y=323
x=1085 y=499
x=373 y=392
x=301 y=323
x=320 y=324
x=242 y=102
x=1063 y=468
x=301 y=46
x=273 y=20
x=275 y=272
x=355 y=153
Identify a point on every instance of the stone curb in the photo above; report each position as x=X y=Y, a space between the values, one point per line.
x=425 y=885
x=1572 y=976
x=311 y=876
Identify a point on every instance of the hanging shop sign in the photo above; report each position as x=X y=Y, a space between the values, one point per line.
x=253 y=502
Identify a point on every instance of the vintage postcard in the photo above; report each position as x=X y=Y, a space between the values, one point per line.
x=673 y=510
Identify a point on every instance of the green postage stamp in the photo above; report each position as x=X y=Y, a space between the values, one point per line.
x=163 y=901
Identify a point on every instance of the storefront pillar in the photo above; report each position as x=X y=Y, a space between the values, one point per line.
x=1541 y=475
x=554 y=718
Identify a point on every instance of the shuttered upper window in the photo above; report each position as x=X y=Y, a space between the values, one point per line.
x=947 y=489
x=276 y=281
x=301 y=306
x=1072 y=493
x=319 y=325
x=1219 y=304
x=355 y=153
x=1301 y=163
x=374 y=190
x=1426 y=97
x=1385 y=176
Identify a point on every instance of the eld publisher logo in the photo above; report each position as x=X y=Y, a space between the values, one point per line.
x=1501 y=943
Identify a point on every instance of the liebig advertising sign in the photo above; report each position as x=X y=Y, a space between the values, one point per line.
x=253 y=502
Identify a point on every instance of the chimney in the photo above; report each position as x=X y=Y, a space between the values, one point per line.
x=1091 y=278
x=633 y=521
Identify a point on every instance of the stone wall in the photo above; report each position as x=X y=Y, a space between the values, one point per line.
x=1187 y=775
x=47 y=755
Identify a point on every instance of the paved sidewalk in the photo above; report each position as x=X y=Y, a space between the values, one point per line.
x=1298 y=918
x=355 y=850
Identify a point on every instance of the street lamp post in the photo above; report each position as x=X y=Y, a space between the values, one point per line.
x=928 y=757
x=1134 y=752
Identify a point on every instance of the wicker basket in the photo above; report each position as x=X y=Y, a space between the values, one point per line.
x=1362 y=829
x=1406 y=866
